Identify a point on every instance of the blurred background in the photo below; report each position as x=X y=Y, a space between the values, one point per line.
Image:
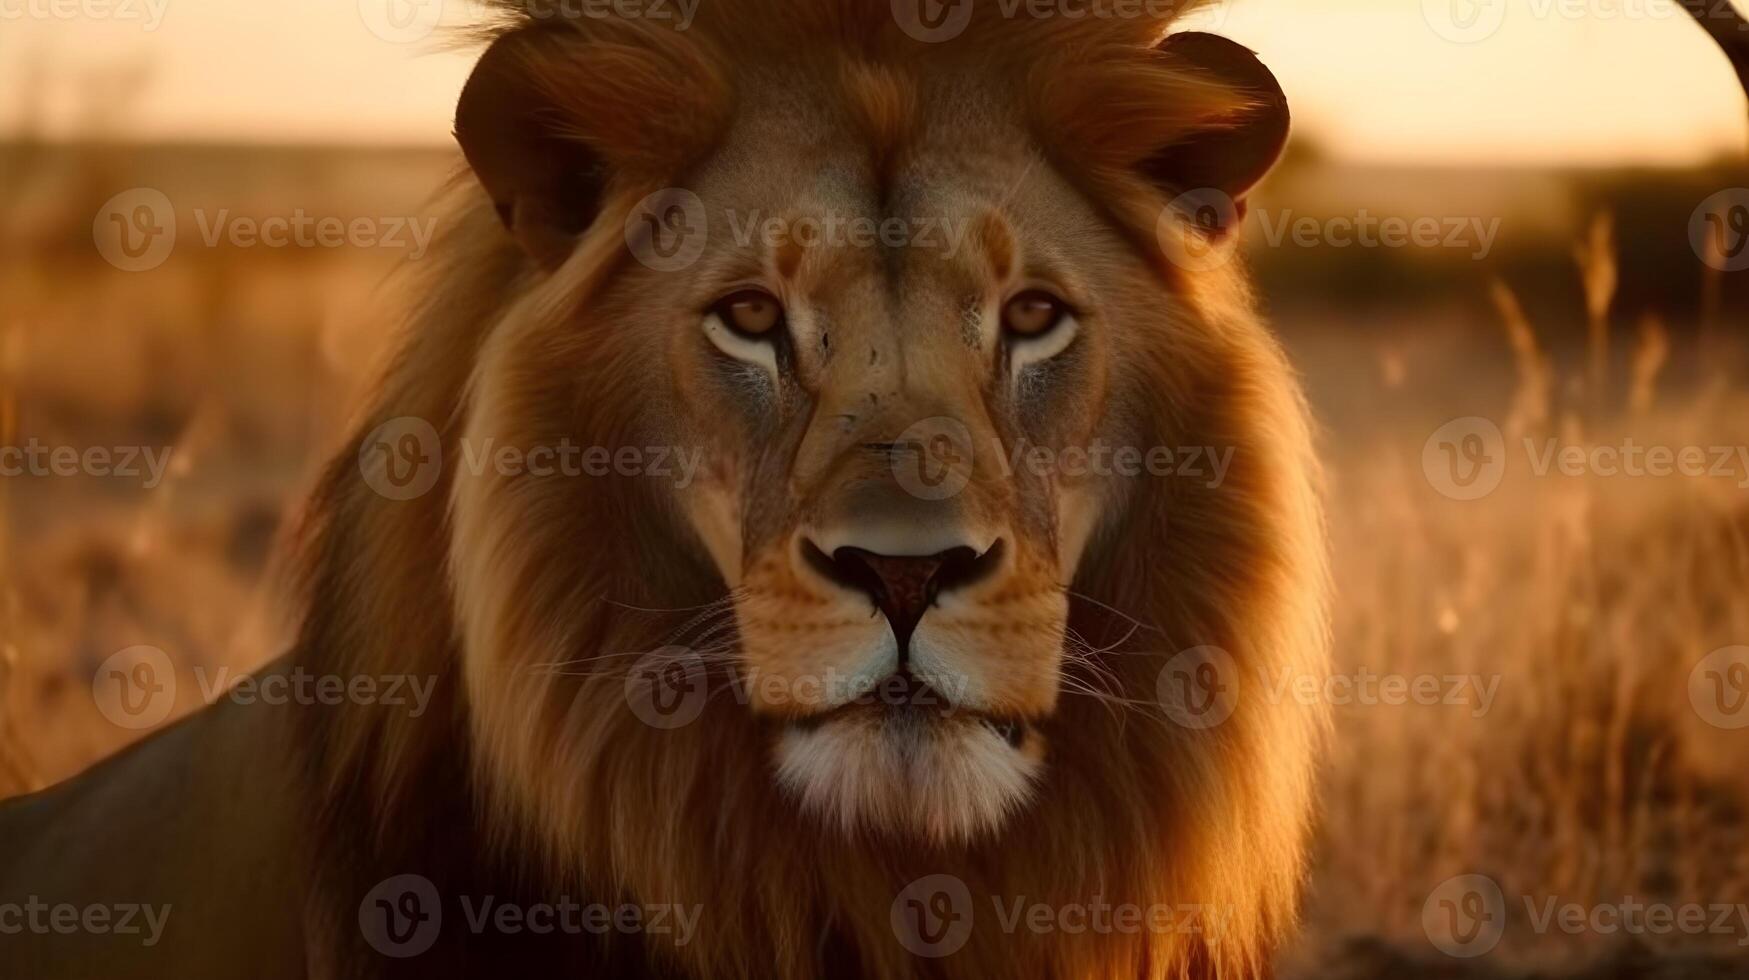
x=1504 y=230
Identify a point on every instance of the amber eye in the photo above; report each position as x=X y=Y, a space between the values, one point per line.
x=751 y=312
x=1032 y=313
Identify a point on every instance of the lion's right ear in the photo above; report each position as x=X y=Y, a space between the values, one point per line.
x=1229 y=154
x=544 y=181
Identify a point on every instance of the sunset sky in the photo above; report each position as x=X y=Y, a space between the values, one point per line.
x=1454 y=81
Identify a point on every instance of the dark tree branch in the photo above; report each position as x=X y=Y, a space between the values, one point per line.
x=1721 y=20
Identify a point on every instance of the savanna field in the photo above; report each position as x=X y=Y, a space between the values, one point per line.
x=1527 y=687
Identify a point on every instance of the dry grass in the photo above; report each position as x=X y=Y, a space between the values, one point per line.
x=1589 y=777
x=244 y=361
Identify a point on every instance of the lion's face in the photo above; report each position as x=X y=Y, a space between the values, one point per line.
x=907 y=313
x=918 y=356
x=883 y=389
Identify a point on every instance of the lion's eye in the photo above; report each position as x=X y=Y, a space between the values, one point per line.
x=750 y=312
x=1033 y=313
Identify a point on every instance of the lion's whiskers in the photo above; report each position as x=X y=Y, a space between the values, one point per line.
x=727 y=599
x=1133 y=621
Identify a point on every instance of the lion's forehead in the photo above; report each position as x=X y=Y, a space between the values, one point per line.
x=931 y=232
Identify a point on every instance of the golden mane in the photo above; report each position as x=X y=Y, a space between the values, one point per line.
x=1137 y=811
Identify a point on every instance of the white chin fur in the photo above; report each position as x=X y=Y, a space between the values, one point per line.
x=944 y=779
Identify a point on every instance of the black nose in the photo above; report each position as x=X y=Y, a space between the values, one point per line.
x=903 y=587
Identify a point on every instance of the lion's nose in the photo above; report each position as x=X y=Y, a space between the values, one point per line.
x=903 y=587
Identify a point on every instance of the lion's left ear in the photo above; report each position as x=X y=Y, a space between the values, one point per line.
x=1232 y=155
x=544 y=181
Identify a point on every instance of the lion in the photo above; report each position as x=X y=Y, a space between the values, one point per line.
x=843 y=494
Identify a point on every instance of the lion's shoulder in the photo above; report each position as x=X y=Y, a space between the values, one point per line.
x=177 y=856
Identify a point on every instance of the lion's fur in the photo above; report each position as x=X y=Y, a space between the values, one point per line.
x=1214 y=818
x=544 y=780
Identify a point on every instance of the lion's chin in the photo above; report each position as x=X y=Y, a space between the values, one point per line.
x=943 y=777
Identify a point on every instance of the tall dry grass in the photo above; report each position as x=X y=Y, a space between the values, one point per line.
x=1590 y=778
x=241 y=363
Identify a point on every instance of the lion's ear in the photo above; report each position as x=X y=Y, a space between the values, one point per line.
x=545 y=182
x=1232 y=155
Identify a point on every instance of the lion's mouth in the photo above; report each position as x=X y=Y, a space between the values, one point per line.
x=904 y=757
x=901 y=700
